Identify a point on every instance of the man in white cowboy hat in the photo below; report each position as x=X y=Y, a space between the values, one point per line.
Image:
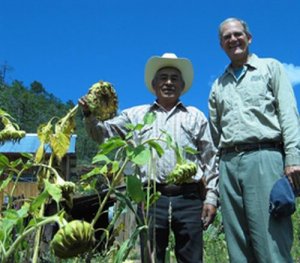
x=193 y=204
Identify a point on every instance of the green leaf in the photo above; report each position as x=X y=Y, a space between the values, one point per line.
x=139 y=155
x=11 y=214
x=27 y=155
x=39 y=153
x=190 y=150
x=138 y=127
x=129 y=126
x=149 y=118
x=122 y=252
x=111 y=144
x=4 y=162
x=128 y=244
x=157 y=147
x=17 y=163
x=4 y=183
x=8 y=224
x=60 y=144
x=129 y=135
x=100 y=158
x=34 y=221
x=125 y=199
x=115 y=166
x=104 y=169
x=44 y=132
x=168 y=139
x=66 y=125
x=23 y=212
x=135 y=188
x=53 y=190
x=95 y=171
x=37 y=202
x=153 y=198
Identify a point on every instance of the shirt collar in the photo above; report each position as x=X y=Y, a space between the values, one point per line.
x=251 y=63
x=156 y=106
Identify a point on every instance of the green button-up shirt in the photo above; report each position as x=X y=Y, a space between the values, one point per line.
x=258 y=106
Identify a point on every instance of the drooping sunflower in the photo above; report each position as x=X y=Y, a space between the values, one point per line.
x=102 y=100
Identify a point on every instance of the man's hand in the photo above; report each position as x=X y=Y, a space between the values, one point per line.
x=208 y=215
x=293 y=173
x=84 y=106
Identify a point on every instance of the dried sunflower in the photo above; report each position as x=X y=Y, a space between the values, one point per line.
x=102 y=100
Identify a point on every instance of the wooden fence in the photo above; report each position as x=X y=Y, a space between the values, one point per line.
x=25 y=189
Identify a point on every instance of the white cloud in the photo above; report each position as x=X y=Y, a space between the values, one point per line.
x=293 y=73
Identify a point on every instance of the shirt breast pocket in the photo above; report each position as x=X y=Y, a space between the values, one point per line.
x=254 y=94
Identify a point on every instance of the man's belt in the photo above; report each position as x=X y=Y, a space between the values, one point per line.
x=252 y=147
x=174 y=190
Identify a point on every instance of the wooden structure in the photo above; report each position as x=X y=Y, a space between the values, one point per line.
x=27 y=186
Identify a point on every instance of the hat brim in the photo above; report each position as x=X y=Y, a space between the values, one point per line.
x=182 y=64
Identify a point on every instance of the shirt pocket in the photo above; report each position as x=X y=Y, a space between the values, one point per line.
x=254 y=94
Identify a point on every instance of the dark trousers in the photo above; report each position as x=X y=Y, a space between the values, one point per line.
x=185 y=223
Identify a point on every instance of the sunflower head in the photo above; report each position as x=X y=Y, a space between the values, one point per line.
x=102 y=100
x=73 y=239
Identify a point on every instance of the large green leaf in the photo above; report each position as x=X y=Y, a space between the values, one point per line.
x=111 y=144
x=135 y=189
x=139 y=155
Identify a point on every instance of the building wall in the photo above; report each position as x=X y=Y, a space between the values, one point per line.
x=22 y=190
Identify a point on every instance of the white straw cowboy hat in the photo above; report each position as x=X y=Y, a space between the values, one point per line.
x=169 y=60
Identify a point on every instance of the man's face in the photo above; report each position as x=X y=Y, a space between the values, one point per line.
x=235 y=41
x=168 y=85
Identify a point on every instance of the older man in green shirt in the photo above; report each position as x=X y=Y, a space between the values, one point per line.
x=255 y=124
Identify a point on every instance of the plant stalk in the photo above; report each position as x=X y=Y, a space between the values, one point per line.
x=14 y=246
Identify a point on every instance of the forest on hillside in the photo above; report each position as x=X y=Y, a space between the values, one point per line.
x=33 y=106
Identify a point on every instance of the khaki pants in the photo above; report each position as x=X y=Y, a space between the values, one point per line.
x=246 y=180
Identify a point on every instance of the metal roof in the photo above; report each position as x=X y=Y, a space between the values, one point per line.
x=30 y=144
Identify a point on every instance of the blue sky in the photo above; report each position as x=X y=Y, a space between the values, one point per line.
x=68 y=45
